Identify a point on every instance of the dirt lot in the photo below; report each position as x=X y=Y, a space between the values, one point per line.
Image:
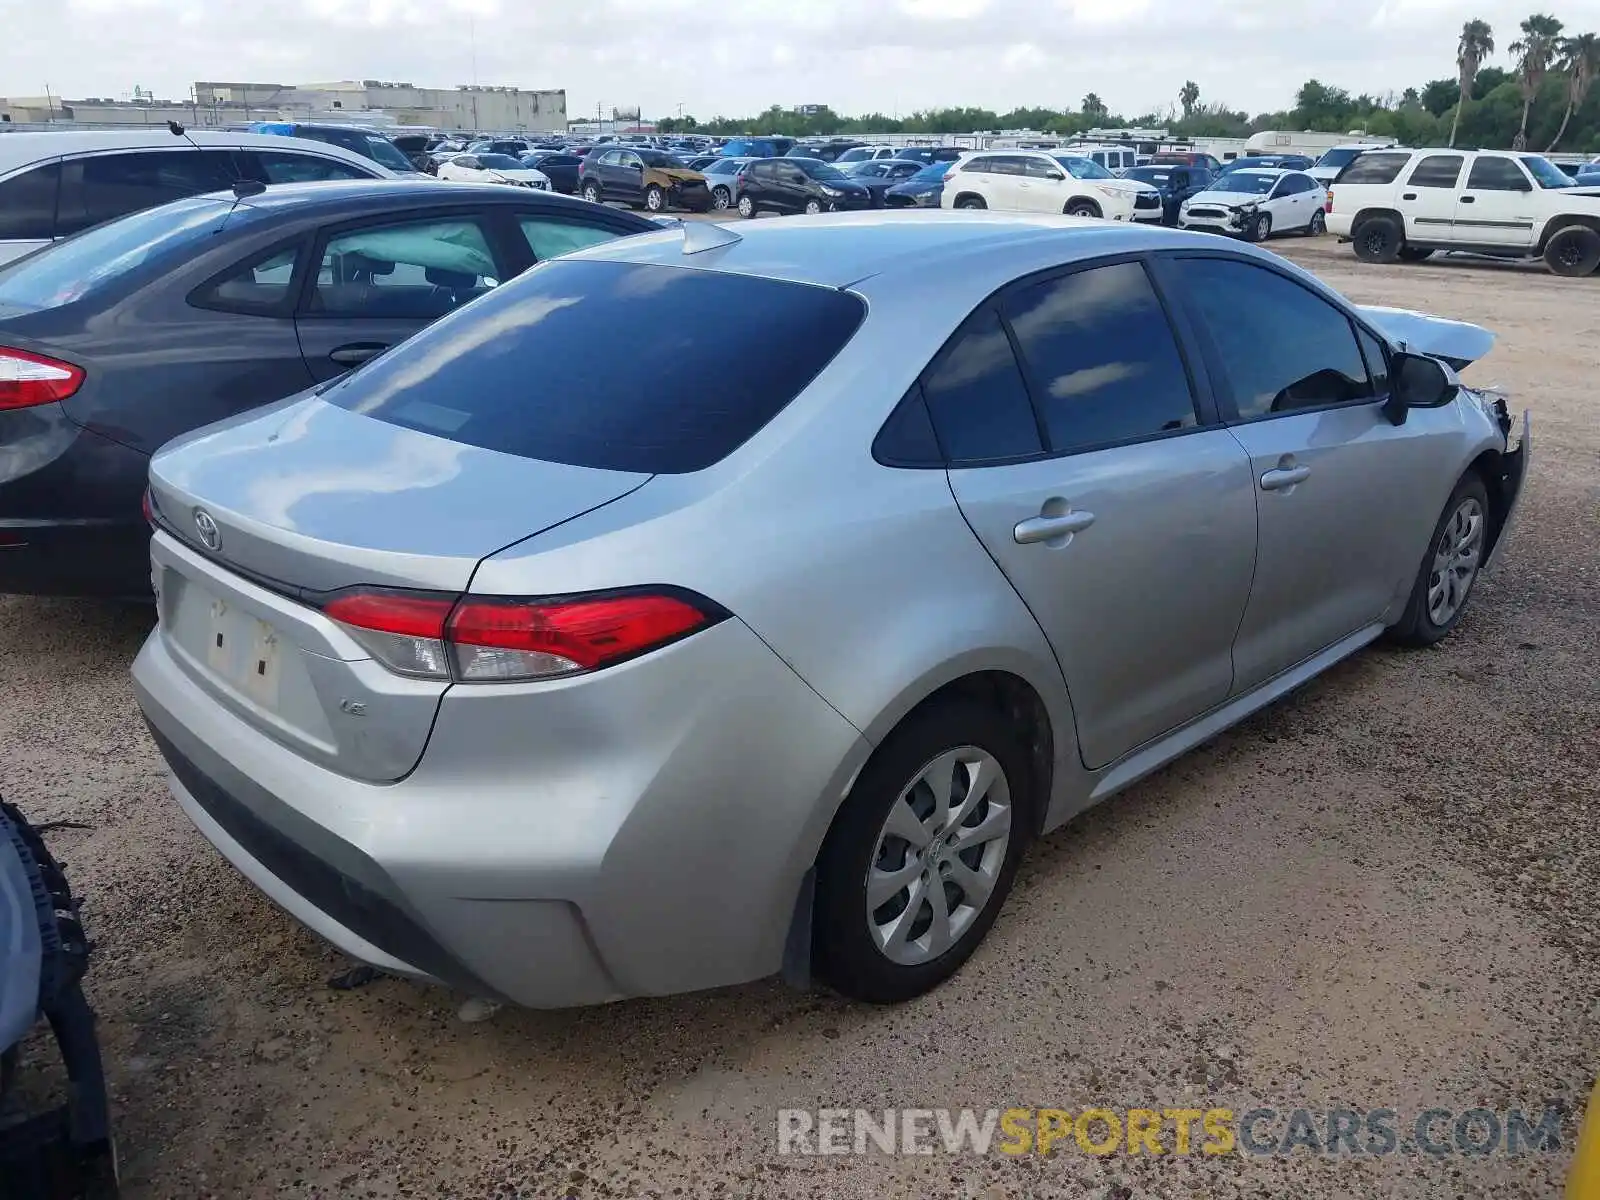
x=1380 y=893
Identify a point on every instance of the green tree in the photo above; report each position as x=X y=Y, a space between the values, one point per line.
x=1189 y=96
x=1533 y=51
x=1579 y=58
x=1093 y=106
x=1475 y=44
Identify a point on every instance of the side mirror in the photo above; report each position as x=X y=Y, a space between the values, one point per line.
x=1416 y=381
x=1055 y=175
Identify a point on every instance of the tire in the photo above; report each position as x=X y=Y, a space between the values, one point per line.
x=1414 y=253
x=747 y=208
x=1082 y=208
x=813 y=207
x=721 y=199
x=1573 y=251
x=655 y=200
x=591 y=192
x=846 y=932
x=1318 y=225
x=973 y=202
x=1449 y=568
x=1260 y=228
x=1378 y=240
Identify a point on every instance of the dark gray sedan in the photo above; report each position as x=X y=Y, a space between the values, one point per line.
x=116 y=340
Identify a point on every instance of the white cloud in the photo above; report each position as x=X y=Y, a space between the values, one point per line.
x=735 y=59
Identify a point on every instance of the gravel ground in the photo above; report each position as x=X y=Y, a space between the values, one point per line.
x=1379 y=893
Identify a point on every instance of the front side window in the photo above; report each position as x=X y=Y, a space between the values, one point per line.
x=1102 y=357
x=1437 y=171
x=279 y=167
x=977 y=398
x=1491 y=174
x=1282 y=347
x=415 y=271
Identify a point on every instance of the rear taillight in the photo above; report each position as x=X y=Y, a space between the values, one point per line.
x=1328 y=207
x=487 y=639
x=30 y=379
x=148 y=507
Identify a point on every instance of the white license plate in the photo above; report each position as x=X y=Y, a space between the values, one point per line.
x=245 y=652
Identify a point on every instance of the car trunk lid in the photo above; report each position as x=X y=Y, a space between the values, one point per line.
x=265 y=516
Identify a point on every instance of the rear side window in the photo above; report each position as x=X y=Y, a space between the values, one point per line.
x=537 y=369
x=1373 y=167
x=260 y=284
x=1437 y=171
x=103 y=187
x=1103 y=360
x=977 y=398
x=28 y=204
x=550 y=236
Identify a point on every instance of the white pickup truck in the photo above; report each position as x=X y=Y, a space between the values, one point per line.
x=1404 y=205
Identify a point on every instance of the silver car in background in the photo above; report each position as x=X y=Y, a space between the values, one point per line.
x=587 y=683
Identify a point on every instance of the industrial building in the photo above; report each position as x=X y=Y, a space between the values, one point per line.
x=366 y=101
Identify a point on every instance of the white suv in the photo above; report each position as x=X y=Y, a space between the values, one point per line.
x=1047 y=181
x=56 y=183
x=1403 y=205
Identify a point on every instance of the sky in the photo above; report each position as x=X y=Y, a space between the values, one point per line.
x=737 y=57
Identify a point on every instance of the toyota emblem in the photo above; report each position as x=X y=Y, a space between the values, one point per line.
x=206 y=526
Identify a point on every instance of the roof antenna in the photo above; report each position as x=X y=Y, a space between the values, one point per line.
x=699 y=236
x=242 y=188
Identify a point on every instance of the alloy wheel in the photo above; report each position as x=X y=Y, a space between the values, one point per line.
x=719 y=199
x=938 y=856
x=1455 y=561
x=813 y=207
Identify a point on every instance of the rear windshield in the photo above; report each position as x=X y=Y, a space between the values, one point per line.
x=1374 y=167
x=1337 y=158
x=589 y=364
x=72 y=269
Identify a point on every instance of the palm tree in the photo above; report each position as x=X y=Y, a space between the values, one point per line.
x=1541 y=34
x=1579 y=57
x=1476 y=44
x=1093 y=106
x=1189 y=96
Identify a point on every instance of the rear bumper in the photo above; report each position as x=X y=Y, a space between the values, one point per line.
x=640 y=832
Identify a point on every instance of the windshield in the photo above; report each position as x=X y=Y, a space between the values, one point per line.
x=1338 y=157
x=498 y=162
x=1083 y=168
x=1545 y=172
x=932 y=174
x=817 y=169
x=1246 y=182
x=1153 y=175
x=381 y=150
x=71 y=269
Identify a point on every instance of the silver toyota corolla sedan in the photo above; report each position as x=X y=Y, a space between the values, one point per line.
x=568 y=684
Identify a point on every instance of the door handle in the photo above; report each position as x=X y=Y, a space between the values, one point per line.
x=1408 y=196
x=357 y=353
x=1284 y=477
x=1468 y=199
x=1048 y=528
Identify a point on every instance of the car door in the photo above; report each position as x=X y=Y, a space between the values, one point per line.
x=1496 y=207
x=629 y=176
x=1094 y=474
x=379 y=281
x=1039 y=188
x=795 y=186
x=1284 y=204
x=1345 y=499
x=1427 y=198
